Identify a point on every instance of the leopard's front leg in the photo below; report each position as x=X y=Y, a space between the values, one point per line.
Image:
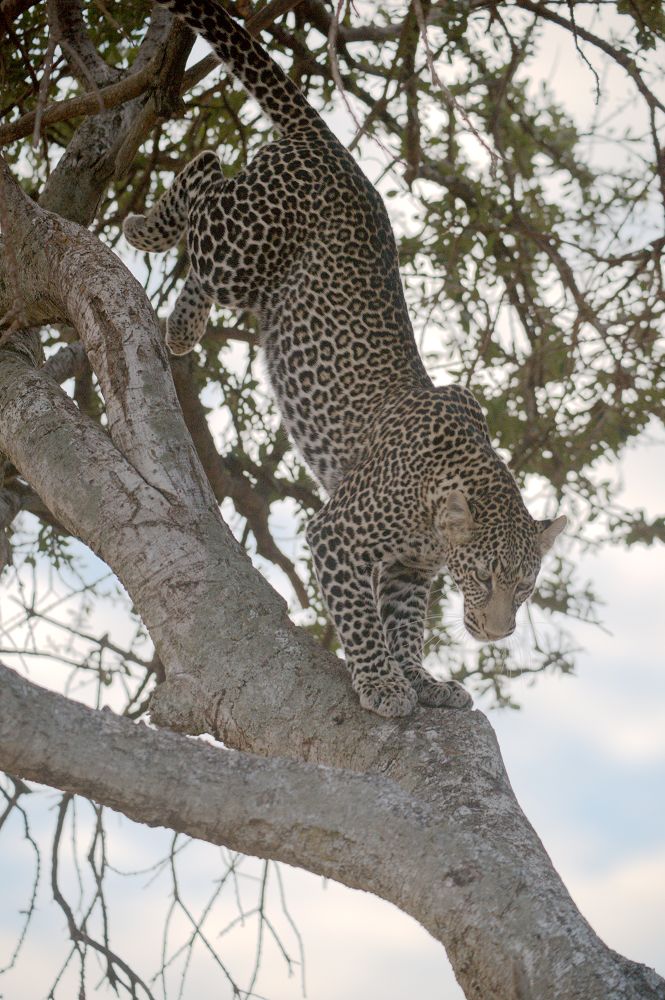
x=344 y=571
x=402 y=595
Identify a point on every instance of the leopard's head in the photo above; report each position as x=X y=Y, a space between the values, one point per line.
x=495 y=562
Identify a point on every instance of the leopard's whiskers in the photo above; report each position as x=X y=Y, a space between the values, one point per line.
x=414 y=621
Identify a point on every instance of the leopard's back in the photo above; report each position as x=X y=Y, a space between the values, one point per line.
x=301 y=237
x=338 y=341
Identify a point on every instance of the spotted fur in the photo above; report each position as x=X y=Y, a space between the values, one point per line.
x=302 y=238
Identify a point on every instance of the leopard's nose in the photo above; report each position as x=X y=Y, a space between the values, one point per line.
x=494 y=636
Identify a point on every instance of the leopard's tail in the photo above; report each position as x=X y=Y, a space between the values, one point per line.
x=262 y=78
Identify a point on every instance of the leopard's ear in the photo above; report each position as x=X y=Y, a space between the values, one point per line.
x=458 y=519
x=548 y=532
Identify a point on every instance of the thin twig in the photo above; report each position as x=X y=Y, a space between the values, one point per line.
x=571 y=9
x=43 y=88
x=116 y=93
x=334 y=63
x=449 y=97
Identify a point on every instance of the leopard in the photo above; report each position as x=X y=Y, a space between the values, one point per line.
x=301 y=238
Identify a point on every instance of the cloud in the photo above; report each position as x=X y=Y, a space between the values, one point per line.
x=625 y=906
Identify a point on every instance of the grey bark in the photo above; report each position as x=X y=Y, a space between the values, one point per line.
x=427 y=819
x=76 y=185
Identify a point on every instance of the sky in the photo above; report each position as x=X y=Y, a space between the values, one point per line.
x=585 y=755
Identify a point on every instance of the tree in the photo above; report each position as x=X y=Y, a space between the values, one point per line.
x=545 y=267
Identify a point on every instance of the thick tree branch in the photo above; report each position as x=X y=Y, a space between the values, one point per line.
x=86 y=104
x=362 y=830
x=304 y=814
x=164 y=100
x=84 y=60
x=10 y=505
x=76 y=186
x=68 y=362
x=73 y=277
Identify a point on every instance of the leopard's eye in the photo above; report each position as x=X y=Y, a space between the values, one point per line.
x=483 y=574
x=524 y=588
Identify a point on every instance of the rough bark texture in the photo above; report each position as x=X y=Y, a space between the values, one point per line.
x=427 y=819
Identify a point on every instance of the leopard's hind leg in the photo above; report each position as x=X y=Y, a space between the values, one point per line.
x=241 y=235
x=166 y=222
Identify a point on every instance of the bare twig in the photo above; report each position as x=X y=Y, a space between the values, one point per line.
x=334 y=64
x=86 y=104
x=449 y=97
x=20 y=788
x=571 y=9
x=615 y=53
x=78 y=933
x=43 y=88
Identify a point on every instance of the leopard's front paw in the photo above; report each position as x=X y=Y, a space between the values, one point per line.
x=458 y=697
x=389 y=695
x=439 y=694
